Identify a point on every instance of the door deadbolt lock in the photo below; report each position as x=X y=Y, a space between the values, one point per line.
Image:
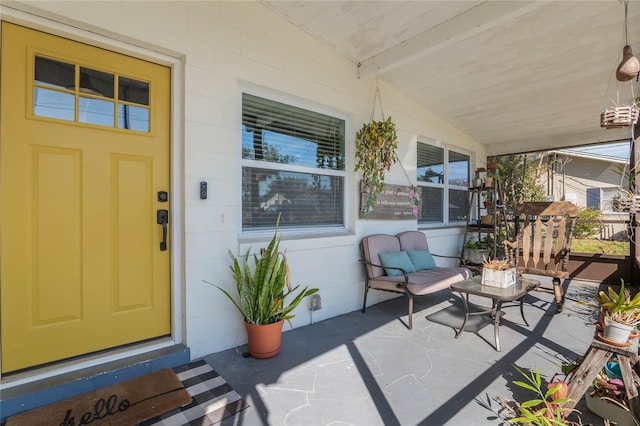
x=163 y=197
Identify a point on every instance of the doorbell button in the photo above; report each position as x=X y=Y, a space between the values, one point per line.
x=203 y=190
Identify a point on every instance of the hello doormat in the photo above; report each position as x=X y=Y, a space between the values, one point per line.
x=213 y=398
x=127 y=403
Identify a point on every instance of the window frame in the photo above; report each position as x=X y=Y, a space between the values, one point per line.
x=299 y=230
x=605 y=203
x=446 y=187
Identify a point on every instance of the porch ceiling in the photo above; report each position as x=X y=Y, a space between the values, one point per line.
x=515 y=75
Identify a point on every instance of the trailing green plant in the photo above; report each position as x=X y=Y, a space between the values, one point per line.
x=376 y=144
x=264 y=288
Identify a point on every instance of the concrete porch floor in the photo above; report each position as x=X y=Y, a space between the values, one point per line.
x=369 y=369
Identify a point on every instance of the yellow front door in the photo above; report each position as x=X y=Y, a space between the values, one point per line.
x=84 y=166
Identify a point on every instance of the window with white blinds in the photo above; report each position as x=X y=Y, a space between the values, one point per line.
x=443 y=177
x=293 y=165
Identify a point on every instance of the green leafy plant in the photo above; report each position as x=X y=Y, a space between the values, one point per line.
x=546 y=409
x=519 y=178
x=619 y=307
x=477 y=249
x=586 y=230
x=487 y=196
x=376 y=144
x=263 y=289
x=482 y=243
x=607 y=385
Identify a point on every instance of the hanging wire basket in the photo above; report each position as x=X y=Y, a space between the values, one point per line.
x=619 y=116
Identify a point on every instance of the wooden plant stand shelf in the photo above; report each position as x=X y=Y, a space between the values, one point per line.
x=597 y=356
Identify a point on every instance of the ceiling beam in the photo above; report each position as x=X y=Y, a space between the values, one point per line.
x=477 y=19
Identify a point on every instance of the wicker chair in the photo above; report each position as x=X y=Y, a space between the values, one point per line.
x=544 y=233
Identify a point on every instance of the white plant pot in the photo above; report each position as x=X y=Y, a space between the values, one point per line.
x=494 y=278
x=615 y=331
x=476 y=256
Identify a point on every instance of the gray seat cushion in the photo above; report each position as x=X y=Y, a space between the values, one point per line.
x=423 y=282
x=432 y=280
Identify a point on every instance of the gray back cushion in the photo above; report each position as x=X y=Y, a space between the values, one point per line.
x=375 y=244
x=413 y=240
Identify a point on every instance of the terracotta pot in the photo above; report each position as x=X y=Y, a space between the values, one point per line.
x=600 y=323
x=264 y=340
x=488 y=182
x=486 y=219
x=562 y=392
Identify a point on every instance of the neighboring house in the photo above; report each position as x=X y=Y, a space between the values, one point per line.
x=141 y=141
x=589 y=179
x=275 y=202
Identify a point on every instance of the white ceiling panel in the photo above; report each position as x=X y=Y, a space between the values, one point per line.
x=509 y=73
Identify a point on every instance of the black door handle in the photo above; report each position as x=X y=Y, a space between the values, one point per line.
x=163 y=219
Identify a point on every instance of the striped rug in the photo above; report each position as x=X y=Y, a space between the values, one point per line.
x=213 y=398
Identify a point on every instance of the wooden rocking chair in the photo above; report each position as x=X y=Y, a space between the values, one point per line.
x=544 y=232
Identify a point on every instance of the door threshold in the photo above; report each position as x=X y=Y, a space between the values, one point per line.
x=95 y=360
x=23 y=394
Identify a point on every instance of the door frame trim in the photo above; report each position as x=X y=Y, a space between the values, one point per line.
x=31 y=18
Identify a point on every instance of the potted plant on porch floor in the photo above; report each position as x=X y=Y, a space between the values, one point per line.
x=263 y=290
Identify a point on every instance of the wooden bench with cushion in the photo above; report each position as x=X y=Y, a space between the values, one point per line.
x=403 y=264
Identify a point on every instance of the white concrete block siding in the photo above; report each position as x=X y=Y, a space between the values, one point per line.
x=223 y=47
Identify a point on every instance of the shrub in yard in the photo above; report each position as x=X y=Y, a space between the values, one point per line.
x=584 y=230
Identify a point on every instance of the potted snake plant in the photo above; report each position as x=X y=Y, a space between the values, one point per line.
x=266 y=296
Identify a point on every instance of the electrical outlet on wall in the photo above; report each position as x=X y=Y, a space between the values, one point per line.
x=315 y=302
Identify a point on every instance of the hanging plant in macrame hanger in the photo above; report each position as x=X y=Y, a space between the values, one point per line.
x=376 y=144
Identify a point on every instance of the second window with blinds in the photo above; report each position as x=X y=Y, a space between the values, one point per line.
x=293 y=166
x=443 y=176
